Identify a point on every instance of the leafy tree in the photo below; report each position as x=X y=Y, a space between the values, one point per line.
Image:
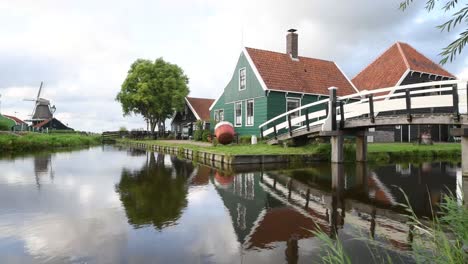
x=154 y=90
x=460 y=16
x=153 y=195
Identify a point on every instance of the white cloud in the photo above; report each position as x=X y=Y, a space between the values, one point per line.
x=82 y=49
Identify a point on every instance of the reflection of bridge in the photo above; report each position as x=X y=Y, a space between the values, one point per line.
x=441 y=102
x=271 y=207
x=329 y=208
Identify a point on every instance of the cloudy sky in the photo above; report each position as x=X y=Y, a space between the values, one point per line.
x=83 y=49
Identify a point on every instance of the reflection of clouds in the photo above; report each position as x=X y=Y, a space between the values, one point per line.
x=54 y=237
x=167 y=161
x=77 y=217
x=86 y=192
x=12 y=177
x=206 y=215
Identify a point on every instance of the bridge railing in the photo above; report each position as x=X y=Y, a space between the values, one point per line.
x=450 y=96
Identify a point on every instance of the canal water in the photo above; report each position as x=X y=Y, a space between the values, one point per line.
x=114 y=205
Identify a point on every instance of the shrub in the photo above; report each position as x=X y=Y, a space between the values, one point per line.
x=244 y=139
x=4 y=126
x=205 y=134
x=199 y=125
x=197 y=135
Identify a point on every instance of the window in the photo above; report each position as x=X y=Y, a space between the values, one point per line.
x=249 y=119
x=242 y=79
x=238 y=114
x=219 y=115
x=293 y=103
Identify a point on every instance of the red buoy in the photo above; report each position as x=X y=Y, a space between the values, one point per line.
x=224 y=132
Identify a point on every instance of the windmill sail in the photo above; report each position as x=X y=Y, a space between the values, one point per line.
x=42 y=110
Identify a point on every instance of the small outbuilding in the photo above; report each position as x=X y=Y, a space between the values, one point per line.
x=19 y=125
x=51 y=124
x=401 y=64
x=183 y=123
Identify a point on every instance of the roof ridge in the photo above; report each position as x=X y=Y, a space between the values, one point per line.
x=372 y=62
x=310 y=58
x=403 y=55
x=200 y=98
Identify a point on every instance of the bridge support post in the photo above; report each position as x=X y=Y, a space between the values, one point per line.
x=361 y=148
x=337 y=151
x=464 y=145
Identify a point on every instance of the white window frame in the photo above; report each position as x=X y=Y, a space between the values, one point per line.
x=235 y=112
x=219 y=115
x=247 y=112
x=240 y=73
x=288 y=99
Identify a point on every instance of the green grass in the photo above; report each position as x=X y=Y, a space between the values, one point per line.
x=39 y=142
x=410 y=147
x=377 y=152
x=386 y=152
x=259 y=149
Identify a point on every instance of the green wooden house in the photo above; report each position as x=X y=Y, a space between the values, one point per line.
x=266 y=84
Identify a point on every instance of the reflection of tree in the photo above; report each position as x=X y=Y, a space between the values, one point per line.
x=153 y=195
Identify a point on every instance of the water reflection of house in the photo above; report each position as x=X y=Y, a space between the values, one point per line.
x=279 y=225
x=244 y=199
x=281 y=208
x=262 y=218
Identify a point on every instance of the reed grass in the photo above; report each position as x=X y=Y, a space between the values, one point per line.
x=441 y=240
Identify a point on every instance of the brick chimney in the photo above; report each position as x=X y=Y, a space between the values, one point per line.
x=292 y=40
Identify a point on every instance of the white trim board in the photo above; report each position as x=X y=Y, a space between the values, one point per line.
x=239 y=79
x=254 y=68
x=235 y=117
x=247 y=111
x=193 y=110
x=342 y=72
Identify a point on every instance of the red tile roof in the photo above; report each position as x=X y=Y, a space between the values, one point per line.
x=305 y=75
x=17 y=120
x=43 y=123
x=389 y=68
x=201 y=107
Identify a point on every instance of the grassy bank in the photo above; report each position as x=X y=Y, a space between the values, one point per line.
x=40 y=142
x=377 y=152
x=385 y=152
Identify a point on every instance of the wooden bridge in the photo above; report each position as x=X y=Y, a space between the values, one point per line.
x=431 y=103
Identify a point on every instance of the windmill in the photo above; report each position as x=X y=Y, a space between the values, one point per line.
x=42 y=109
